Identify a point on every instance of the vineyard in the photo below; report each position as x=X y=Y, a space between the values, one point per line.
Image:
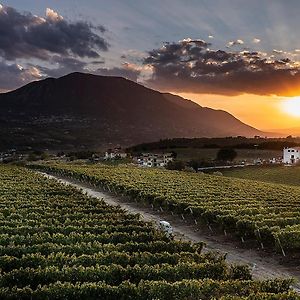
x=268 y=213
x=276 y=174
x=57 y=243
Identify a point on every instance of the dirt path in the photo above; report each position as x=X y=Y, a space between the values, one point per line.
x=264 y=267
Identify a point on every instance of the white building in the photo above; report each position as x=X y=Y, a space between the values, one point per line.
x=155 y=159
x=116 y=153
x=291 y=155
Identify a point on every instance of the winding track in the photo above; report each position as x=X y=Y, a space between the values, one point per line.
x=262 y=267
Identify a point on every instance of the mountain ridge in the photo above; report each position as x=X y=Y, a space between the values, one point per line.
x=86 y=110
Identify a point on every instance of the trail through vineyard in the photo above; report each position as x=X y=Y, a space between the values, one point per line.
x=263 y=266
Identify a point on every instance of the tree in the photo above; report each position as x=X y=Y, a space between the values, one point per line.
x=226 y=154
x=175 y=165
x=194 y=164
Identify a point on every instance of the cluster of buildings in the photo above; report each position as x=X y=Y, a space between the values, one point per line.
x=144 y=160
x=291 y=156
x=116 y=153
x=10 y=155
x=154 y=159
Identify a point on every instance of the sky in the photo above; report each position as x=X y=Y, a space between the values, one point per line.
x=237 y=55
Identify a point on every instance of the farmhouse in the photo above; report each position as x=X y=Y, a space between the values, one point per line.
x=116 y=153
x=155 y=159
x=291 y=155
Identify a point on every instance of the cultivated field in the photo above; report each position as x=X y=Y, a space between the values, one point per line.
x=269 y=213
x=57 y=243
x=276 y=174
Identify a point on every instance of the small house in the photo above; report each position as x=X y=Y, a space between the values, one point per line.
x=155 y=159
x=291 y=155
x=116 y=153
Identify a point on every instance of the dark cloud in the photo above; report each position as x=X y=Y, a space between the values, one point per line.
x=190 y=66
x=13 y=75
x=23 y=35
x=127 y=70
x=63 y=65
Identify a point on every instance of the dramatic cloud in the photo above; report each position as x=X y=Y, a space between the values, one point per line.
x=64 y=65
x=127 y=70
x=26 y=39
x=190 y=66
x=15 y=74
x=23 y=35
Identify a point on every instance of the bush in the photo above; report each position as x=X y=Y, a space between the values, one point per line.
x=176 y=165
x=226 y=154
x=218 y=173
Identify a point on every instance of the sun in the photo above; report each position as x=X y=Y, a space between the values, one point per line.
x=292 y=106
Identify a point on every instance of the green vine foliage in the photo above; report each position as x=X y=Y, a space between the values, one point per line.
x=57 y=243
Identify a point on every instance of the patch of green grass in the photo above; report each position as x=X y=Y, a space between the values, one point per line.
x=275 y=174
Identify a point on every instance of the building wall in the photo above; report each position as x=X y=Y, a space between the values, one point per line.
x=291 y=155
x=154 y=160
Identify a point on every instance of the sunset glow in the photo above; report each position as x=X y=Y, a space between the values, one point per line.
x=292 y=106
x=225 y=62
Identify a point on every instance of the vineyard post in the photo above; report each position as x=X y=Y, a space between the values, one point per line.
x=259 y=236
x=279 y=243
x=209 y=227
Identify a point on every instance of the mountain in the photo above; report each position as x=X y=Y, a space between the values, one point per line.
x=89 y=111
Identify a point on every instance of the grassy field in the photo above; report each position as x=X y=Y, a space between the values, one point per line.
x=56 y=243
x=267 y=212
x=276 y=174
x=248 y=155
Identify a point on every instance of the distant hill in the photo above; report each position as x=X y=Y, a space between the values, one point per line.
x=88 y=111
x=257 y=143
x=294 y=131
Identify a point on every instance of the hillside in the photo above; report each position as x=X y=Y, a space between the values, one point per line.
x=83 y=110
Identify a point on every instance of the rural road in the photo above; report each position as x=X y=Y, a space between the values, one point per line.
x=263 y=267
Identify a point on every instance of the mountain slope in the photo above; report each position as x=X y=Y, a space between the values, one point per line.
x=84 y=110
